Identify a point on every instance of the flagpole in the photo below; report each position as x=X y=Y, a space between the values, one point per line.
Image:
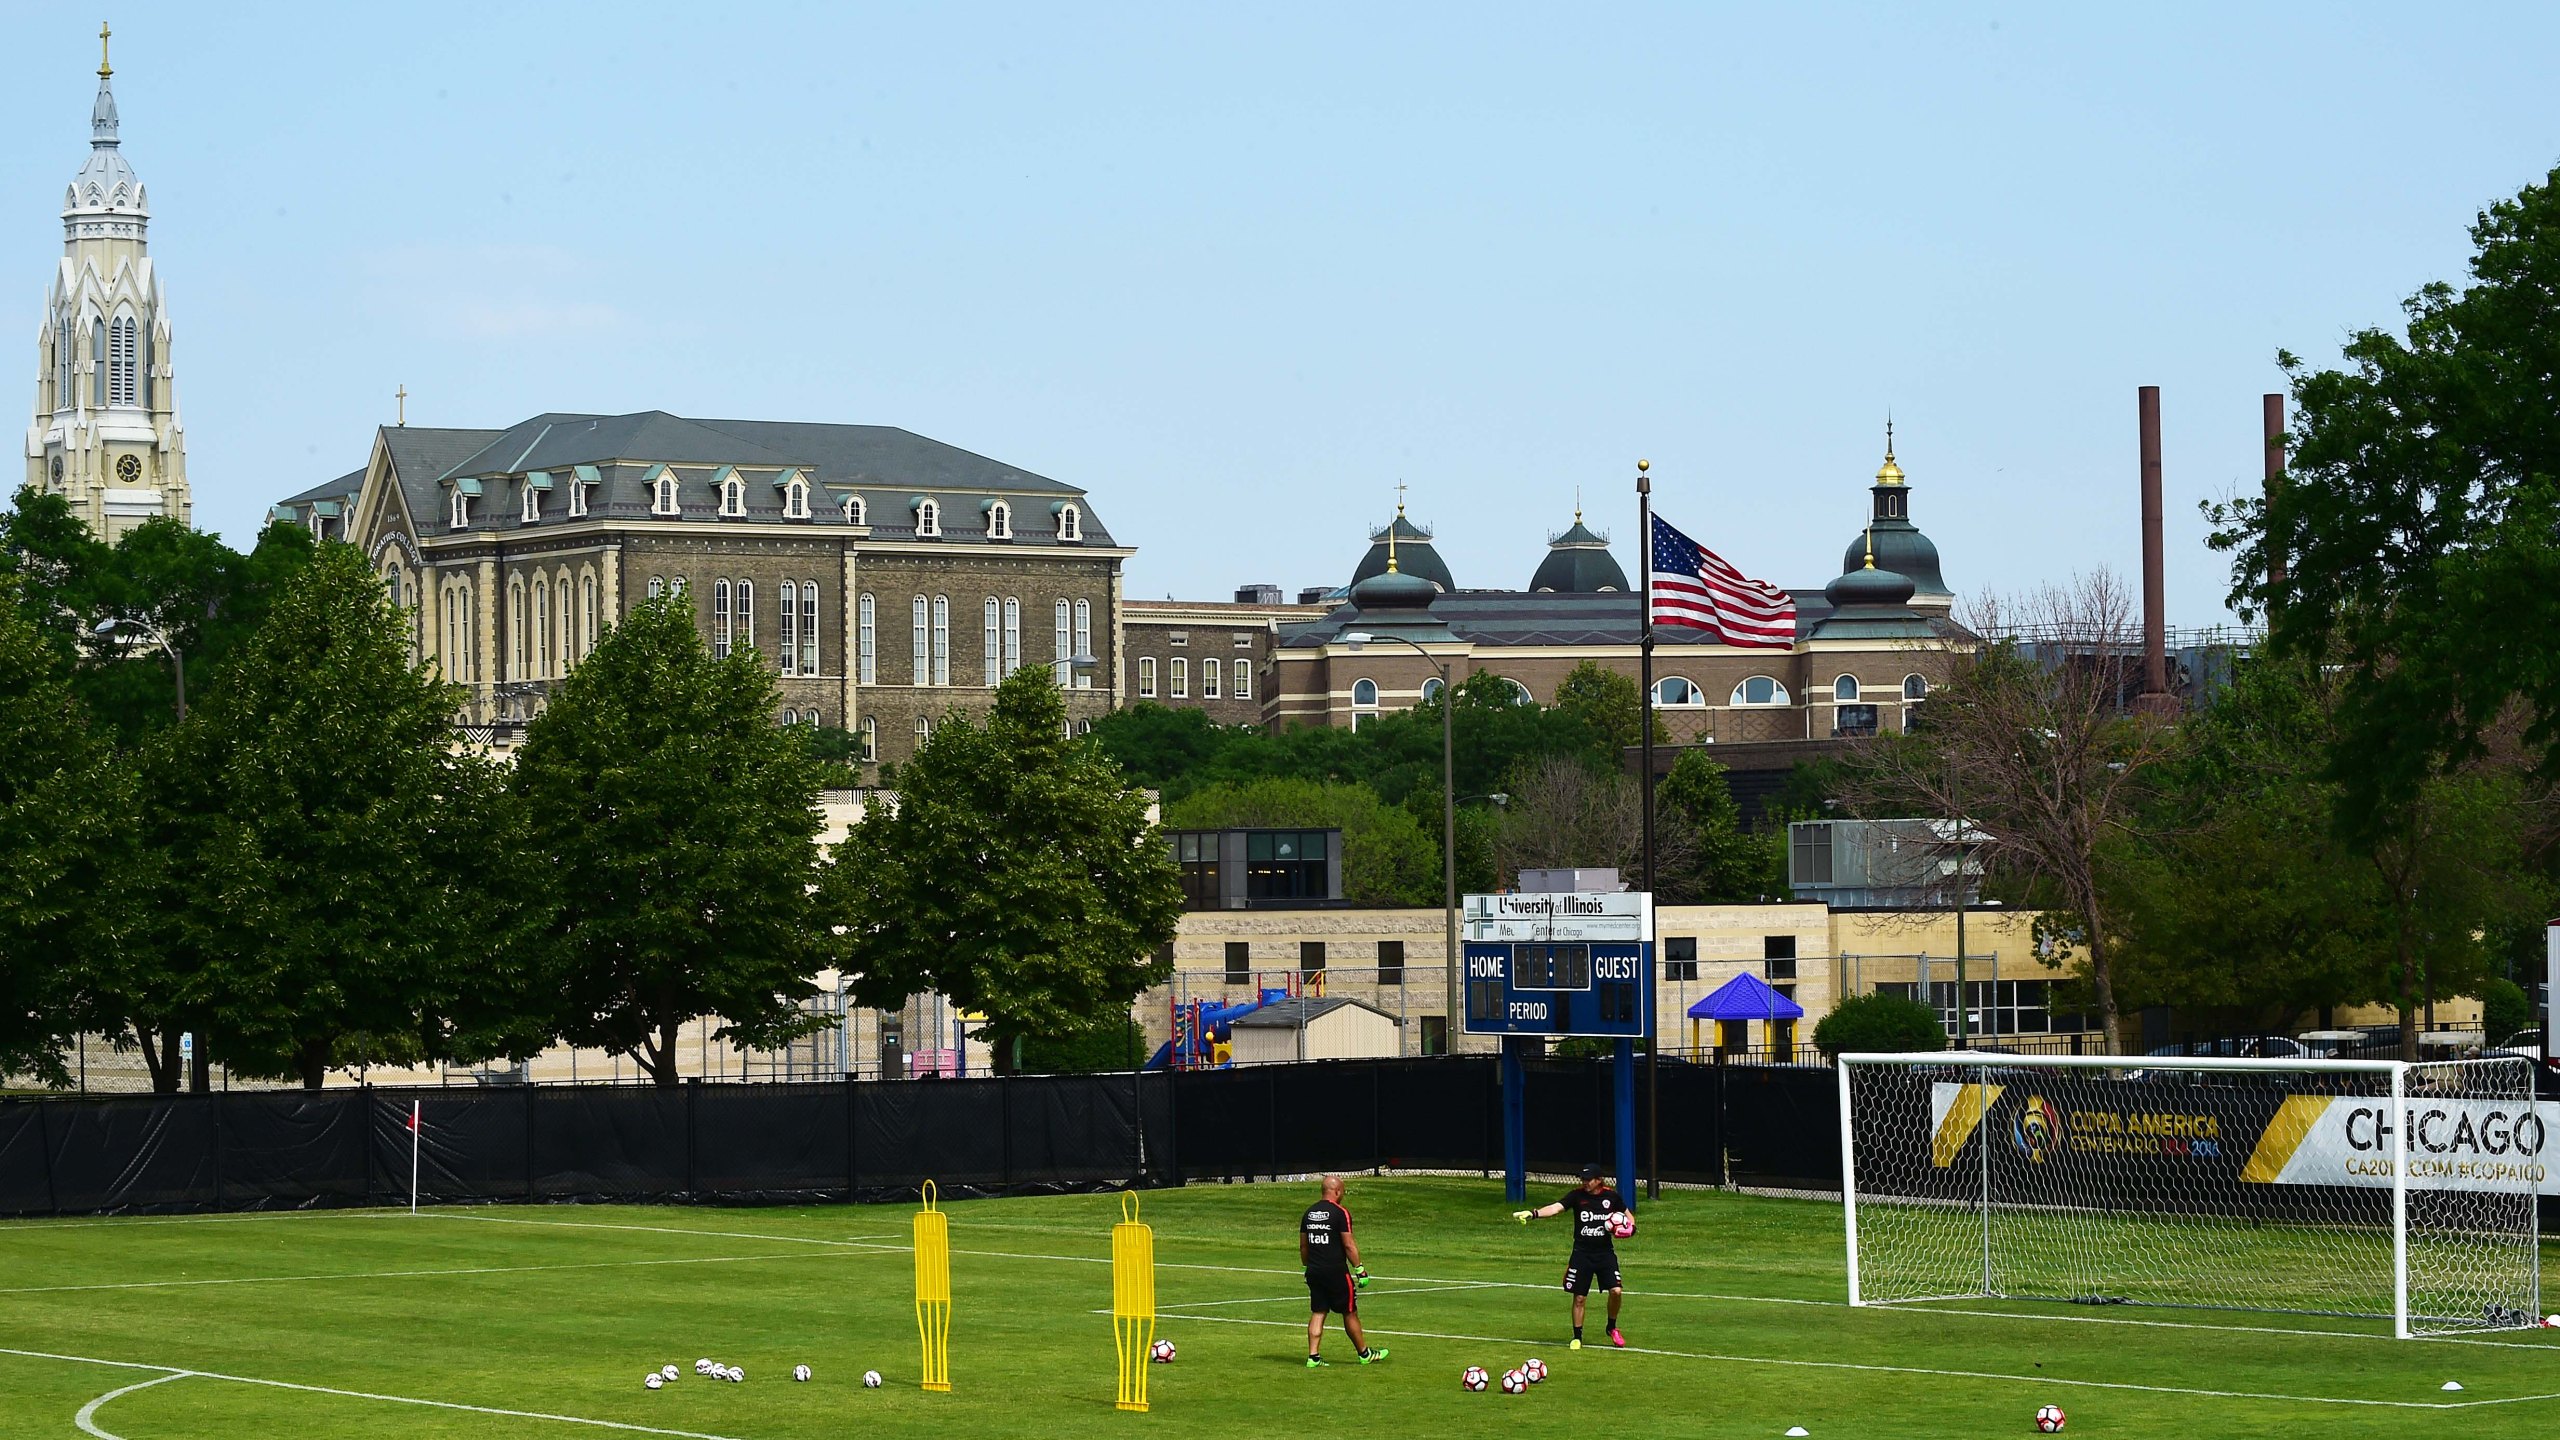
x=414 y=1131
x=1644 y=721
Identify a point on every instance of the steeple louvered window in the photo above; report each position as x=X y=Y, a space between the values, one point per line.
x=121 y=387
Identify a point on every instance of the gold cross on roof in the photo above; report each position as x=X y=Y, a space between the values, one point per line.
x=104 y=68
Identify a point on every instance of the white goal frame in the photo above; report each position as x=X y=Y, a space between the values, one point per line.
x=2396 y=1072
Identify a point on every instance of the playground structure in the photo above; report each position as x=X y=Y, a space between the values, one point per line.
x=1202 y=1038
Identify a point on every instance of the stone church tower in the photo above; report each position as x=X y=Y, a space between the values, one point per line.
x=106 y=432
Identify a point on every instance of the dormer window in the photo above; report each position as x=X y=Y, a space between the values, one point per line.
x=733 y=495
x=461 y=509
x=1070 y=523
x=795 y=498
x=999 y=521
x=532 y=503
x=577 y=498
x=662 y=492
x=929 y=519
x=855 y=512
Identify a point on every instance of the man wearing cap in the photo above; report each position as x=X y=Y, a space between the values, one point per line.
x=1595 y=1251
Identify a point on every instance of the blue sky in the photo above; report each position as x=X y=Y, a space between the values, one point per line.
x=1238 y=271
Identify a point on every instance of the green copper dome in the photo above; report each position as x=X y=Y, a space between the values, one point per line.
x=1579 y=563
x=1414 y=555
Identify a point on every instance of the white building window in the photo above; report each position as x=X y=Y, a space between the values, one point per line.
x=1181 y=679
x=461 y=509
x=720 y=631
x=928 y=518
x=808 y=625
x=532 y=503
x=1209 y=673
x=941 y=639
x=1915 y=687
x=1146 y=677
x=855 y=511
x=1364 y=694
x=1244 y=680
x=1519 y=693
x=790 y=629
x=1012 y=634
x=795 y=499
x=922 y=673
x=566 y=619
x=1672 y=692
x=657 y=587
x=120 y=371
x=519 y=649
x=1845 y=688
x=1070 y=523
x=1084 y=639
x=733 y=495
x=587 y=599
x=541 y=630
x=924 y=728
x=999 y=521
x=1065 y=645
x=866 y=651
x=995 y=642
x=870 y=739
x=1759 y=690
x=746 y=615
x=662 y=493
x=577 y=498
x=1431 y=688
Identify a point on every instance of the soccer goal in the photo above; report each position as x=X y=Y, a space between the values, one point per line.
x=2369 y=1188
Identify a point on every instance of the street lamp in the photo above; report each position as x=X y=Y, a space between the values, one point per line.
x=1448 y=823
x=159 y=637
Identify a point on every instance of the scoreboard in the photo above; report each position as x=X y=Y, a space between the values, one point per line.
x=1557 y=964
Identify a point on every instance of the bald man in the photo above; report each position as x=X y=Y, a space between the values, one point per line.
x=1334 y=1273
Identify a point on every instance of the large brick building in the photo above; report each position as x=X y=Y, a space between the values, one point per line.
x=891 y=580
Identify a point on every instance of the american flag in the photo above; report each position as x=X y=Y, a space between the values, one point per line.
x=1694 y=588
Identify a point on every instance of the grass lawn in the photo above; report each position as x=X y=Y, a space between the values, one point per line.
x=324 y=1324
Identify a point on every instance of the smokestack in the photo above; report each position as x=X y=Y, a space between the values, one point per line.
x=2274 y=406
x=2155 y=598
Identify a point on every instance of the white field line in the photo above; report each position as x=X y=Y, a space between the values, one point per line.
x=871 y=1242
x=176 y=1373
x=125 y=1222
x=87 y=1419
x=406 y=1274
x=1171 y=1306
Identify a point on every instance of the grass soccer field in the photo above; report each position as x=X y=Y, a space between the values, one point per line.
x=540 y=1321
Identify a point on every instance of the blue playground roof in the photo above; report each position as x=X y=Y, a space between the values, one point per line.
x=1746 y=997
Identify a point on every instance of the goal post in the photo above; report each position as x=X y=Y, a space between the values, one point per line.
x=2379 y=1189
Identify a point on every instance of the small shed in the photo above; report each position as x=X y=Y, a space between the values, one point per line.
x=1314 y=1027
x=1735 y=1004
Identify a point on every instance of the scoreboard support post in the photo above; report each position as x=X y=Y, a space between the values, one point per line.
x=1515 y=1121
x=1622 y=1079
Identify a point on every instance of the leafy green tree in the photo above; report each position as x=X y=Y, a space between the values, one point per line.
x=1727 y=864
x=1387 y=856
x=2504 y=1010
x=1101 y=1048
x=679 y=825
x=1877 y=1023
x=318 y=874
x=66 y=840
x=59 y=567
x=186 y=586
x=1606 y=705
x=2414 y=531
x=1016 y=874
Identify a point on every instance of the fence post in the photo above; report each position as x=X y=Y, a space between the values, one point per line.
x=44 y=1147
x=364 y=1093
x=692 y=1104
x=532 y=1189
x=1004 y=1127
x=1173 y=1116
x=852 y=1152
x=215 y=1100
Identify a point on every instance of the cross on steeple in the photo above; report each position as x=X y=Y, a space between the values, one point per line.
x=104 y=69
x=402 y=396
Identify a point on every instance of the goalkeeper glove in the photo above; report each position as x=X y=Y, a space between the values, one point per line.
x=1521 y=1215
x=1360 y=1276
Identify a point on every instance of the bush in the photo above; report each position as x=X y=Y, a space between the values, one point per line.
x=2504 y=1010
x=1878 y=1022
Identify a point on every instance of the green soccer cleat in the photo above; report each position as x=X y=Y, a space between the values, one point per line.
x=1576 y=1345
x=1374 y=1356
x=1313 y=1363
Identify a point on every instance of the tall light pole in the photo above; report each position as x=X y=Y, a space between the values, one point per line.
x=159 y=637
x=1448 y=825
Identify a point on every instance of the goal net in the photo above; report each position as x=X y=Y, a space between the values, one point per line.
x=2403 y=1192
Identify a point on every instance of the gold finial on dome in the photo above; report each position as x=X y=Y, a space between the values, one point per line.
x=104 y=69
x=1871 y=542
x=1890 y=474
x=1392 y=526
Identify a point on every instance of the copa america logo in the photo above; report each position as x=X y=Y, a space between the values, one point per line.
x=2036 y=1129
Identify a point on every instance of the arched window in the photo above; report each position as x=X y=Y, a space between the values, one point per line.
x=681 y=586
x=391 y=584
x=808 y=626
x=733 y=495
x=870 y=738
x=1845 y=688
x=657 y=586
x=1674 y=692
x=120 y=370
x=924 y=728
x=928 y=518
x=995 y=642
x=1431 y=688
x=855 y=511
x=1084 y=727
x=532 y=503
x=1084 y=639
x=541 y=630
x=577 y=497
x=809 y=718
x=63 y=397
x=795 y=499
x=999 y=521
x=587 y=602
x=1012 y=633
x=1244 y=680
x=1364 y=694
x=1179 y=686
x=662 y=493
x=97 y=361
x=1070 y=523
x=519 y=644
x=1146 y=677
x=461 y=509
x=866 y=652
x=941 y=639
x=1759 y=690
x=720 y=630
x=790 y=628
x=922 y=673
x=1210 y=670
x=1066 y=642
x=1915 y=687
x=746 y=615
x=1519 y=693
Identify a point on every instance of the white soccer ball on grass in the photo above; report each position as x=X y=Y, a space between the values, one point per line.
x=799 y=1372
x=1535 y=1369
x=1514 y=1383
x=870 y=1379
x=669 y=1373
x=653 y=1380
x=702 y=1367
x=2049 y=1418
x=1475 y=1378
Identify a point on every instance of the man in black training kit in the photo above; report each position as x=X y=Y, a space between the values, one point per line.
x=1595 y=1252
x=1334 y=1273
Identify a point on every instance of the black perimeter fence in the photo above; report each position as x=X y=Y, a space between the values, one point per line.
x=749 y=1144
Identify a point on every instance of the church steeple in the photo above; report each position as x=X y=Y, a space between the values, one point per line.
x=105 y=433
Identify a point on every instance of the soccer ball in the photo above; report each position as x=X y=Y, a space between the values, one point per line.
x=1163 y=1352
x=1514 y=1383
x=668 y=1373
x=702 y=1367
x=733 y=1375
x=870 y=1379
x=2049 y=1418
x=654 y=1380
x=1475 y=1378
x=1536 y=1370
x=799 y=1372
x=1622 y=1224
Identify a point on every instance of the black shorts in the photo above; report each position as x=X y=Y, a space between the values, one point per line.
x=1330 y=1291
x=1590 y=1269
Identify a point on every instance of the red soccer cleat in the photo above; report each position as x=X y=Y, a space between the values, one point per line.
x=1617 y=1339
